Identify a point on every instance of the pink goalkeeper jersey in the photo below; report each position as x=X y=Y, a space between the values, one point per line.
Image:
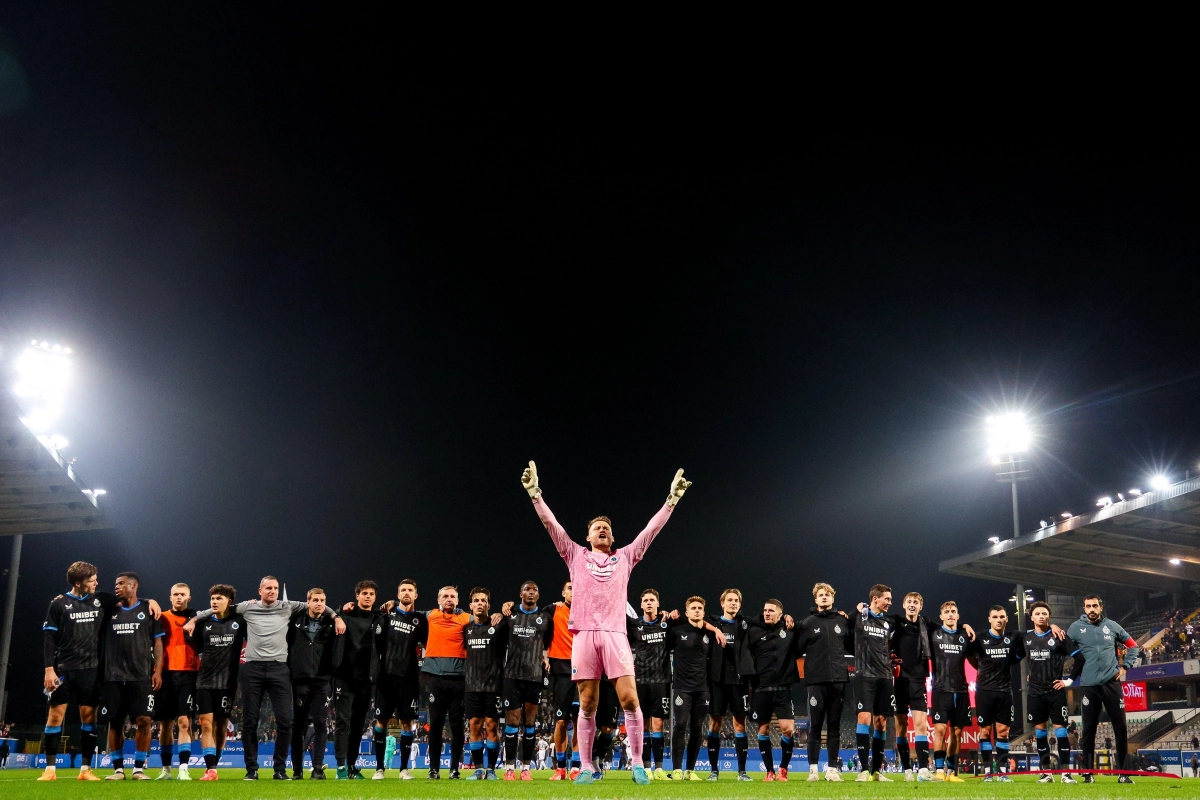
x=600 y=582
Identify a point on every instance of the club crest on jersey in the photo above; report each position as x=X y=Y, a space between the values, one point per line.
x=961 y=640
x=782 y=633
x=745 y=625
x=678 y=700
x=96 y=603
x=812 y=701
x=662 y=625
x=1006 y=640
x=836 y=629
x=491 y=630
x=378 y=629
x=234 y=626
x=141 y=615
x=612 y=559
x=704 y=638
x=1105 y=629
x=1085 y=701
x=538 y=621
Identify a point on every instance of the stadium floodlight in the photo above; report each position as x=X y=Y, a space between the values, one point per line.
x=994 y=539
x=41 y=386
x=1104 y=502
x=1067 y=515
x=1043 y=523
x=1175 y=562
x=1121 y=497
x=59 y=442
x=1135 y=492
x=1159 y=482
x=1008 y=434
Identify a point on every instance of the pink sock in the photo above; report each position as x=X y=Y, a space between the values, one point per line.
x=633 y=729
x=587 y=737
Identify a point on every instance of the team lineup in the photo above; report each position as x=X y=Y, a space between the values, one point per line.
x=118 y=657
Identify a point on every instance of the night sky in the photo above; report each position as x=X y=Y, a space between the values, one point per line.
x=330 y=293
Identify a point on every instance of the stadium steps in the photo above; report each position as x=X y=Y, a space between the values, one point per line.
x=1180 y=736
x=1154 y=637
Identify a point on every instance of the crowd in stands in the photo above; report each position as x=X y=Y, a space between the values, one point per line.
x=1178 y=641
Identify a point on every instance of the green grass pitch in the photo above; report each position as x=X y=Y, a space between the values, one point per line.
x=21 y=784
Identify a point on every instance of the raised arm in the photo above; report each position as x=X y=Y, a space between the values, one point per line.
x=637 y=548
x=562 y=542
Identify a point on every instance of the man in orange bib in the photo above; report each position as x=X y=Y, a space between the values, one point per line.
x=175 y=701
x=445 y=654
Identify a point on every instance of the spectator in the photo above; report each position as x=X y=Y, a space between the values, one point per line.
x=4 y=750
x=1195 y=742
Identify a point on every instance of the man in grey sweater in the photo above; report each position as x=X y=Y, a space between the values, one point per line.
x=266 y=671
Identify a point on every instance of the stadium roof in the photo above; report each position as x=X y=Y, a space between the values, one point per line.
x=39 y=491
x=1124 y=548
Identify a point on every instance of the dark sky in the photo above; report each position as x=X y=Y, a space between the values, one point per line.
x=331 y=284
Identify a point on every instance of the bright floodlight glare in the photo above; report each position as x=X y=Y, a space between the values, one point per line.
x=42 y=385
x=1007 y=434
x=1159 y=482
x=994 y=539
x=1175 y=562
x=1066 y=515
x=1136 y=492
x=59 y=442
x=1043 y=523
x=1104 y=502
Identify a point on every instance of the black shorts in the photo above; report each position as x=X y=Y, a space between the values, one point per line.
x=397 y=697
x=176 y=697
x=518 y=693
x=951 y=708
x=654 y=699
x=876 y=696
x=121 y=700
x=730 y=698
x=566 y=695
x=910 y=696
x=480 y=705
x=767 y=702
x=1050 y=706
x=81 y=686
x=608 y=707
x=993 y=706
x=218 y=702
x=445 y=694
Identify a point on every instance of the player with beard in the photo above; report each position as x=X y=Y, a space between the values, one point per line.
x=486 y=644
x=442 y=667
x=997 y=651
x=175 y=702
x=528 y=634
x=219 y=640
x=72 y=633
x=1047 y=656
x=729 y=674
x=400 y=635
x=873 y=688
x=132 y=652
x=824 y=638
x=652 y=669
x=600 y=577
x=773 y=645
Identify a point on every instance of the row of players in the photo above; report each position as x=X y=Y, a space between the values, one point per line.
x=118 y=653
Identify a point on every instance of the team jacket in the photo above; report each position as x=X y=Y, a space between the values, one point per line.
x=734 y=664
x=353 y=648
x=1097 y=644
x=310 y=656
x=824 y=638
x=774 y=649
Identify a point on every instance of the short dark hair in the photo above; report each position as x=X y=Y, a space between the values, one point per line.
x=878 y=591
x=1040 y=604
x=997 y=608
x=777 y=603
x=650 y=591
x=480 y=590
x=367 y=584
x=133 y=576
x=225 y=590
x=409 y=581
x=1095 y=597
x=531 y=583
x=79 y=572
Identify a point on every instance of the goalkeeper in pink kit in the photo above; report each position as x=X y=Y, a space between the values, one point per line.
x=601 y=584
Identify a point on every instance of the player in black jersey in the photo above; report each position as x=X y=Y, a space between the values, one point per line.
x=997 y=651
x=950 y=649
x=312 y=648
x=824 y=638
x=486 y=643
x=729 y=676
x=691 y=641
x=399 y=636
x=352 y=690
x=652 y=669
x=873 y=675
x=529 y=631
x=71 y=656
x=132 y=649
x=1047 y=656
x=219 y=640
x=774 y=648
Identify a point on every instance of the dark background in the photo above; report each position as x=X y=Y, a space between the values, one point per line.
x=331 y=284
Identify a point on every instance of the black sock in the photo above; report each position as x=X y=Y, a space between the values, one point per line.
x=903 y=752
x=165 y=754
x=117 y=759
x=862 y=739
x=764 y=748
x=492 y=750
x=87 y=743
x=713 y=743
x=1064 y=751
x=381 y=750
x=185 y=754
x=677 y=748
x=1002 y=753
x=51 y=739
x=785 y=751
x=876 y=751
x=528 y=746
x=406 y=740
x=741 y=744
x=922 y=752
x=511 y=735
x=658 y=745
x=210 y=760
x=434 y=749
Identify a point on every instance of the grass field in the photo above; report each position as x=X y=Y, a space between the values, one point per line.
x=20 y=784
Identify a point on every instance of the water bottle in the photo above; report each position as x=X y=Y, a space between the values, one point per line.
x=50 y=692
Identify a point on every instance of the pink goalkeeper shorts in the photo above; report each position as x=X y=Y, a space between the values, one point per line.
x=596 y=652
